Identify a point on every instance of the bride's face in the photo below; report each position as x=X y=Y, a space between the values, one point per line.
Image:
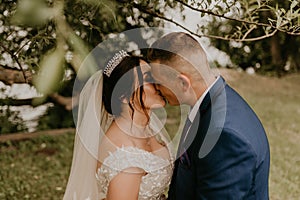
x=151 y=97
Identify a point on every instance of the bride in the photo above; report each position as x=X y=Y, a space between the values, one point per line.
x=121 y=149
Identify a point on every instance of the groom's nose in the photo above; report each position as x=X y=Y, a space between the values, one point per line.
x=156 y=87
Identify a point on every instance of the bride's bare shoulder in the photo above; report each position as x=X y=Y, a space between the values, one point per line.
x=115 y=137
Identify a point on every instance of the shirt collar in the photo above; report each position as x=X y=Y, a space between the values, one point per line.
x=195 y=108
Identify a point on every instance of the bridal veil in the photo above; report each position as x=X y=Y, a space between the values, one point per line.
x=92 y=123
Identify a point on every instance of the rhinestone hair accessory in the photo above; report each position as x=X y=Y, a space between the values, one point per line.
x=112 y=63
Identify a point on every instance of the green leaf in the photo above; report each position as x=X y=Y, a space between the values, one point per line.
x=258 y=3
x=82 y=60
x=219 y=8
x=278 y=22
x=282 y=11
x=294 y=4
x=50 y=73
x=33 y=13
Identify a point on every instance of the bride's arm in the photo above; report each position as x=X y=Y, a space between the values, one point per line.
x=125 y=185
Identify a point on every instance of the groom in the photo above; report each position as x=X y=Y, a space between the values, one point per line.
x=223 y=151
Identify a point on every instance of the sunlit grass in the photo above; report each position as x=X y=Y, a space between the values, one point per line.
x=277 y=103
x=38 y=168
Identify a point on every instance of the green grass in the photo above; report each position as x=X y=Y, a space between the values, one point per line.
x=39 y=168
x=36 y=168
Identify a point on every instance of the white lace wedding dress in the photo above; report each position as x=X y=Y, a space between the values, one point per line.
x=158 y=170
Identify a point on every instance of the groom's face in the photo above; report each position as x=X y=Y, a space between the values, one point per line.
x=165 y=84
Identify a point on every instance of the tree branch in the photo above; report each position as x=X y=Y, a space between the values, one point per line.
x=11 y=76
x=221 y=15
x=238 y=20
x=154 y=14
x=17 y=60
x=68 y=102
x=248 y=32
x=287 y=32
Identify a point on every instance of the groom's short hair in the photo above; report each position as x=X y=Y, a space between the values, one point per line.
x=183 y=50
x=174 y=45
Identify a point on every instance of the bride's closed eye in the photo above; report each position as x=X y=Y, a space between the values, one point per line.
x=148 y=77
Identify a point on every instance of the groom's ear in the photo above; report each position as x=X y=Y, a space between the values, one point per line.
x=185 y=82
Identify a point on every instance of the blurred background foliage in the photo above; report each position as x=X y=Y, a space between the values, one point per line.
x=10 y=121
x=276 y=55
x=44 y=42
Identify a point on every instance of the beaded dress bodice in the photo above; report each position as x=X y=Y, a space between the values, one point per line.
x=158 y=171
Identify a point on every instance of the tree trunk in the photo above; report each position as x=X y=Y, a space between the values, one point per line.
x=277 y=60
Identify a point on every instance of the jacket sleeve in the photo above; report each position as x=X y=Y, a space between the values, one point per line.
x=228 y=171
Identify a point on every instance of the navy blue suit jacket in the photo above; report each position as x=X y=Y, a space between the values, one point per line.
x=227 y=154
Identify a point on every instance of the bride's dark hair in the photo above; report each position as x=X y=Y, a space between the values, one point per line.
x=123 y=77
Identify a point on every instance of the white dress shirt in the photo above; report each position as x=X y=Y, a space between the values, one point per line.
x=193 y=112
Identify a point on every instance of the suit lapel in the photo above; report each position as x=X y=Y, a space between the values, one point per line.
x=198 y=129
x=212 y=113
x=205 y=106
